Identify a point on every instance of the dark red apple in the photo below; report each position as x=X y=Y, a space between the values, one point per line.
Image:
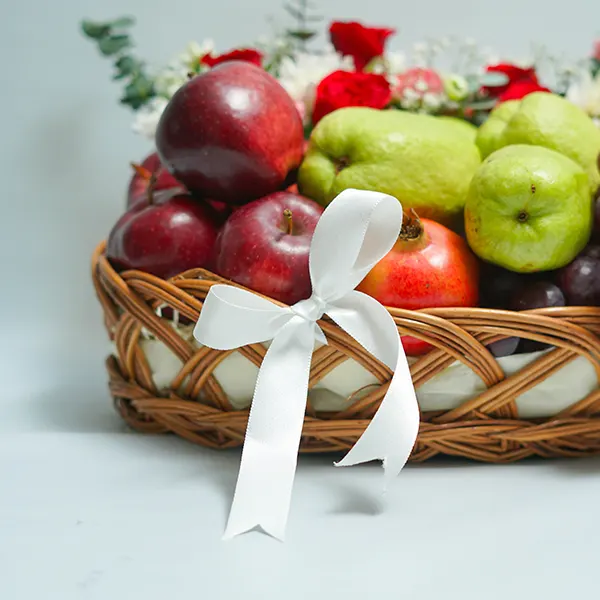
x=231 y=134
x=173 y=233
x=265 y=245
x=140 y=180
x=429 y=266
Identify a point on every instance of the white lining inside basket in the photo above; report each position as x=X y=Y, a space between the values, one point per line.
x=447 y=390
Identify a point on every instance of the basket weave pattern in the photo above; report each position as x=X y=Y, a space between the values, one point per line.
x=485 y=428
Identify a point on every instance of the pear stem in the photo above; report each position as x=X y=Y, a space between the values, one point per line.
x=287 y=213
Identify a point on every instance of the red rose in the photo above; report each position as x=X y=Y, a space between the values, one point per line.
x=360 y=42
x=246 y=54
x=514 y=75
x=520 y=89
x=520 y=82
x=341 y=88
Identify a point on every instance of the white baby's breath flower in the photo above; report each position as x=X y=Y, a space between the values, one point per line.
x=432 y=101
x=194 y=52
x=167 y=82
x=584 y=91
x=147 y=117
x=175 y=74
x=301 y=74
x=395 y=62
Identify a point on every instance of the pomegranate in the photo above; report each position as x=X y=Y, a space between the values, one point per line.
x=429 y=266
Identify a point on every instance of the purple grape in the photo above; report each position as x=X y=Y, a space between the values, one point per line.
x=497 y=286
x=580 y=281
x=593 y=251
x=537 y=294
x=504 y=347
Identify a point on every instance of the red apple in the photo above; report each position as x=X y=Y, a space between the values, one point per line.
x=140 y=180
x=429 y=266
x=173 y=233
x=265 y=245
x=231 y=134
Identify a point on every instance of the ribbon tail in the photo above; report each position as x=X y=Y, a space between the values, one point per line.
x=391 y=434
x=270 y=454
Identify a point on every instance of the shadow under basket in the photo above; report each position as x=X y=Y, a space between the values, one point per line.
x=191 y=399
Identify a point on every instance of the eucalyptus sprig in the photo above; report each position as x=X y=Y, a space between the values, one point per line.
x=113 y=41
x=301 y=32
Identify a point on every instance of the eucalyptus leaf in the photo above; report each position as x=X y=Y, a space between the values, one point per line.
x=138 y=92
x=127 y=64
x=473 y=83
x=122 y=22
x=482 y=104
x=294 y=12
x=113 y=44
x=493 y=79
x=94 y=30
x=301 y=34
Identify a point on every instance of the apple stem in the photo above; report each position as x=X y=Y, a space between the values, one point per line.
x=287 y=213
x=141 y=171
x=150 y=188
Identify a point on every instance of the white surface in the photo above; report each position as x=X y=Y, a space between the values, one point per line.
x=89 y=511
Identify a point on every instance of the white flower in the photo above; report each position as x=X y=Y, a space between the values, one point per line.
x=395 y=63
x=585 y=93
x=147 y=117
x=194 y=51
x=167 y=82
x=175 y=74
x=300 y=75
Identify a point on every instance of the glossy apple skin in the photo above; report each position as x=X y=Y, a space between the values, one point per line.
x=437 y=270
x=137 y=191
x=232 y=134
x=165 y=238
x=255 y=250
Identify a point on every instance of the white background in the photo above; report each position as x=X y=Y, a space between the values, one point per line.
x=89 y=510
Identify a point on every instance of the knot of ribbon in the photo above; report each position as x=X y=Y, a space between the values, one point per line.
x=355 y=231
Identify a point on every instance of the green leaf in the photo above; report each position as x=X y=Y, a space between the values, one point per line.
x=301 y=34
x=493 y=79
x=113 y=44
x=122 y=22
x=482 y=104
x=126 y=65
x=294 y=12
x=473 y=82
x=94 y=30
x=138 y=92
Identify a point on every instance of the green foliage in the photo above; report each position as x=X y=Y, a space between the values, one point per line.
x=114 y=41
x=301 y=32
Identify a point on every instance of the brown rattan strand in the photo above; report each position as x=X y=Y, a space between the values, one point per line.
x=486 y=427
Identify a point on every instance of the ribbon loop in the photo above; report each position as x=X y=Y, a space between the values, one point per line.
x=355 y=231
x=350 y=238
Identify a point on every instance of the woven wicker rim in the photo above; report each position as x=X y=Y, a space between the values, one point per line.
x=485 y=427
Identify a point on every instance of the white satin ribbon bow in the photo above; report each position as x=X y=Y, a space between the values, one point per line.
x=357 y=229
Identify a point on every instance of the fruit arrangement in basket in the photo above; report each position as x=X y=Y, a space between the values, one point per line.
x=497 y=171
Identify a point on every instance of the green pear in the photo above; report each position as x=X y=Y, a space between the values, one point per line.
x=426 y=162
x=544 y=119
x=528 y=209
x=489 y=134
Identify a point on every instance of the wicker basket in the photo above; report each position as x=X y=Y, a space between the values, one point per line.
x=485 y=427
